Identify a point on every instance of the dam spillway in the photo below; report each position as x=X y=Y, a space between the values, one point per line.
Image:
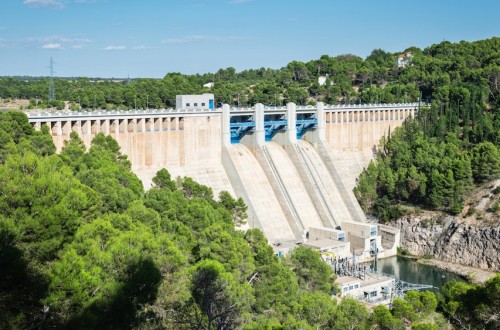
x=251 y=182
x=294 y=166
x=291 y=186
x=327 y=191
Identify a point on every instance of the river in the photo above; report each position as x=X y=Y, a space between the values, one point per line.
x=410 y=271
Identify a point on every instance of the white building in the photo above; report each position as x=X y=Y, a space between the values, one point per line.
x=322 y=80
x=330 y=248
x=318 y=233
x=192 y=102
x=364 y=239
x=404 y=59
x=373 y=289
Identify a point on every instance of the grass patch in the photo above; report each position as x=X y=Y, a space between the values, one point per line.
x=403 y=251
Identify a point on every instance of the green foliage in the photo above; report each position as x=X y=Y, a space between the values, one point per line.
x=108 y=172
x=383 y=318
x=350 y=314
x=473 y=306
x=163 y=179
x=227 y=247
x=276 y=289
x=313 y=274
x=432 y=160
x=316 y=308
x=101 y=260
x=424 y=326
x=220 y=299
x=47 y=202
x=79 y=234
x=485 y=159
x=236 y=207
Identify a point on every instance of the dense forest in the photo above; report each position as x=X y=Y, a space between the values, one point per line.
x=451 y=75
x=82 y=246
x=434 y=160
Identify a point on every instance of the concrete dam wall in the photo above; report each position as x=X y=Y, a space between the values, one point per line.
x=290 y=181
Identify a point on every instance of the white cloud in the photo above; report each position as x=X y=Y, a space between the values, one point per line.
x=140 y=47
x=62 y=41
x=114 y=47
x=193 y=39
x=44 y=3
x=52 y=46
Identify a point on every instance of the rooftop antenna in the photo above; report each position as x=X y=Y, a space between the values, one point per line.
x=52 y=89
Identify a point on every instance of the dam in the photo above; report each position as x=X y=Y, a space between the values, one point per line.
x=294 y=166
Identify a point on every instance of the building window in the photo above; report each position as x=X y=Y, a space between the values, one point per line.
x=345 y=289
x=351 y=287
x=196 y=104
x=373 y=293
x=373 y=231
x=203 y=104
x=188 y=104
x=356 y=286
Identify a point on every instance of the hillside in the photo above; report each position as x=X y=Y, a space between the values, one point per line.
x=83 y=246
x=436 y=160
x=342 y=79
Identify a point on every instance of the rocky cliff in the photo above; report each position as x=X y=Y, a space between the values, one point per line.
x=444 y=238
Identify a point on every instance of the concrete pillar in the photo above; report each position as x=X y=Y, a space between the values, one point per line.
x=291 y=118
x=260 y=133
x=116 y=127
x=135 y=125
x=141 y=122
x=58 y=128
x=320 y=116
x=65 y=127
x=226 y=125
x=85 y=124
x=105 y=128
x=78 y=126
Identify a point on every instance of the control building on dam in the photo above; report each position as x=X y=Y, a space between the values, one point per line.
x=294 y=166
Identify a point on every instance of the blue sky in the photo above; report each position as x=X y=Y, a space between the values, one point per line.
x=149 y=38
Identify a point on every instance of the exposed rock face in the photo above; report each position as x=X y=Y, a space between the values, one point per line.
x=445 y=239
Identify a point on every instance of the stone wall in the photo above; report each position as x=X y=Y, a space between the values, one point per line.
x=445 y=239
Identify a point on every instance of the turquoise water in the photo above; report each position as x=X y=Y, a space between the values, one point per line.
x=410 y=271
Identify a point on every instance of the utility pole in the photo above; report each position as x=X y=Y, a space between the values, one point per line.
x=52 y=89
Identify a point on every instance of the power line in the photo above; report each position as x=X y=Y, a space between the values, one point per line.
x=52 y=88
